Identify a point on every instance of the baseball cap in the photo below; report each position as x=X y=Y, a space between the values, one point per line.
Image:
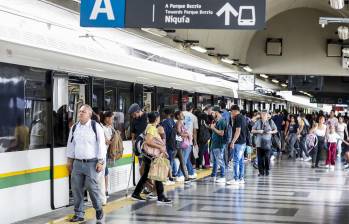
x=134 y=108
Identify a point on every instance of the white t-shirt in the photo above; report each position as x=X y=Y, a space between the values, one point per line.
x=321 y=132
x=333 y=138
x=190 y=122
x=332 y=122
x=108 y=132
x=341 y=128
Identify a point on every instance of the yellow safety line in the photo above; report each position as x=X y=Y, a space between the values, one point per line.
x=122 y=202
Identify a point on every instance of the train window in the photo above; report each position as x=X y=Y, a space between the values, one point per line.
x=25 y=99
x=98 y=94
x=167 y=98
x=204 y=100
x=123 y=119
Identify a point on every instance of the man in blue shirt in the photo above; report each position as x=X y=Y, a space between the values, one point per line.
x=217 y=145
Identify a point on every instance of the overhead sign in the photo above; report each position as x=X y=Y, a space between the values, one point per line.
x=190 y=14
x=246 y=82
x=330 y=100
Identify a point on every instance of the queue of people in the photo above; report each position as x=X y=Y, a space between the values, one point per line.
x=195 y=139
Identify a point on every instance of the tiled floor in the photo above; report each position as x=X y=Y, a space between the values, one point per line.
x=294 y=193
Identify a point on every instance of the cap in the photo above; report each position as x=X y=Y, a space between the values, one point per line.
x=134 y=108
x=216 y=109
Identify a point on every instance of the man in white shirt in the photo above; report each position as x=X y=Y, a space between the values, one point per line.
x=86 y=154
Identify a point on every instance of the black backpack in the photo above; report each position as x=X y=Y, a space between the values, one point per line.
x=93 y=124
x=138 y=144
x=204 y=133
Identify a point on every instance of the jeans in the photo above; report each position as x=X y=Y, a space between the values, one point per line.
x=238 y=155
x=316 y=157
x=218 y=161
x=159 y=186
x=83 y=175
x=186 y=158
x=303 y=147
x=292 y=142
x=182 y=164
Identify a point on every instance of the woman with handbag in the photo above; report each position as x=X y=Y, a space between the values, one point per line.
x=153 y=147
x=264 y=129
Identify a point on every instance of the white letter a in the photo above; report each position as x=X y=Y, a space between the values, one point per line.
x=97 y=9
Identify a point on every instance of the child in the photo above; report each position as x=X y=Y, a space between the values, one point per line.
x=332 y=140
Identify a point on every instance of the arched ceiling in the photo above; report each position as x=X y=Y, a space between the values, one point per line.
x=236 y=42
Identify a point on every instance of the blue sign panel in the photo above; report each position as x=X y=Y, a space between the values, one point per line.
x=102 y=13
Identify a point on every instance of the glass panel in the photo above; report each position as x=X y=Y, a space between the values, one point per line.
x=204 y=100
x=167 y=98
x=122 y=118
x=110 y=99
x=98 y=94
x=24 y=100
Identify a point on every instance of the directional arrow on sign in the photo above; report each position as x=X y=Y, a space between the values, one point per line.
x=227 y=9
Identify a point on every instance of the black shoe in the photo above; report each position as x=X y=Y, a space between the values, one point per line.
x=187 y=181
x=164 y=200
x=313 y=166
x=146 y=191
x=261 y=174
x=99 y=215
x=76 y=219
x=267 y=173
x=137 y=198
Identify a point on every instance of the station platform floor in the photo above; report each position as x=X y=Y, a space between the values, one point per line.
x=293 y=194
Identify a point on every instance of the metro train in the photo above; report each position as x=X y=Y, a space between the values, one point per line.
x=44 y=78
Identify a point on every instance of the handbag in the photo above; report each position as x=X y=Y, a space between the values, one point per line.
x=152 y=151
x=159 y=169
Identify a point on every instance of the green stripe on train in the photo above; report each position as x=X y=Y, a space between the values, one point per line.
x=30 y=178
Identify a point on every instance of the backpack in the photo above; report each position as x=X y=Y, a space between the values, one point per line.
x=170 y=131
x=275 y=138
x=93 y=124
x=138 y=144
x=204 y=133
x=116 y=148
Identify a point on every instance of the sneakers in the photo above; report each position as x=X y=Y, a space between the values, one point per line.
x=307 y=159
x=213 y=179
x=332 y=167
x=107 y=194
x=99 y=215
x=168 y=182
x=233 y=182
x=164 y=200
x=194 y=176
x=220 y=180
x=137 y=198
x=242 y=181
x=152 y=196
x=180 y=179
x=76 y=218
x=346 y=166
x=327 y=166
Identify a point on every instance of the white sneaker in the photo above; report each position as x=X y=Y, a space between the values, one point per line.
x=332 y=167
x=346 y=166
x=302 y=159
x=327 y=166
x=152 y=196
x=193 y=176
x=213 y=179
x=307 y=159
x=233 y=182
x=168 y=182
x=272 y=158
x=180 y=179
x=242 y=181
x=220 y=180
x=298 y=159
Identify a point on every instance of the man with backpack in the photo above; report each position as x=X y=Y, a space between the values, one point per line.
x=228 y=132
x=86 y=152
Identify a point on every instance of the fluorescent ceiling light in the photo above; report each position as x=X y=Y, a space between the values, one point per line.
x=284 y=85
x=141 y=77
x=275 y=81
x=198 y=48
x=156 y=32
x=95 y=69
x=247 y=69
x=264 y=76
x=337 y=4
x=343 y=32
x=227 y=60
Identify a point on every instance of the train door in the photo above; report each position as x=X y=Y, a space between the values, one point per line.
x=69 y=93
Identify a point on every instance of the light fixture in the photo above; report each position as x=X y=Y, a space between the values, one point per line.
x=264 y=76
x=284 y=85
x=156 y=32
x=198 y=48
x=337 y=4
x=343 y=32
x=323 y=21
x=247 y=68
x=275 y=81
x=227 y=60
x=95 y=69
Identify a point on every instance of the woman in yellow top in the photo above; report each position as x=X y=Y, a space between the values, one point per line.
x=151 y=132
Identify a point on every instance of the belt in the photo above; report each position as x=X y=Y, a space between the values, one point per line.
x=87 y=160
